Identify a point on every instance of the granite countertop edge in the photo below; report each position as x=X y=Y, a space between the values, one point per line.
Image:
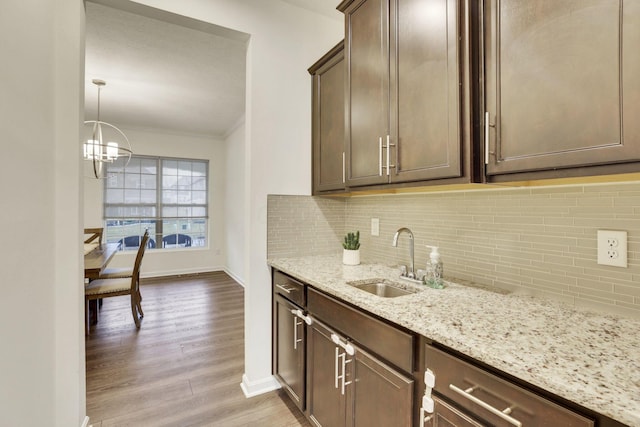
x=587 y=357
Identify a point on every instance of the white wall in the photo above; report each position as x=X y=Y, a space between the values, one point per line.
x=234 y=210
x=163 y=262
x=41 y=326
x=285 y=41
x=41 y=79
x=41 y=329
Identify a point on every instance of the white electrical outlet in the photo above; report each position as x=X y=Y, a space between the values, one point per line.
x=612 y=248
x=375 y=226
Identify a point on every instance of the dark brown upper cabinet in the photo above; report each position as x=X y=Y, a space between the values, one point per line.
x=408 y=96
x=562 y=87
x=328 y=122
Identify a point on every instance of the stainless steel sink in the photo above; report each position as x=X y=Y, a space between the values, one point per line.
x=383 y=288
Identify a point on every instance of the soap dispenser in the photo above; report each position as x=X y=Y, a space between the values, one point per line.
x=433 y=276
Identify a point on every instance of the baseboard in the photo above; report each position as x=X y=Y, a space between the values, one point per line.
x=185 y=272
x=181 y=272
x=85 y=422
x=254 y=388
x=235 y=277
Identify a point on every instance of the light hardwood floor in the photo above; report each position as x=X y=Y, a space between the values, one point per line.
x=185 y=364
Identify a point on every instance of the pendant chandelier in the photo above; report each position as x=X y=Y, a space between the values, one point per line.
x=101 y=140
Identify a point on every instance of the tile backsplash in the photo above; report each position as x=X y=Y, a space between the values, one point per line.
x=537 y=240
x=304 y=226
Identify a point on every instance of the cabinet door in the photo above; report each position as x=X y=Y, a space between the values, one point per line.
x=562 y=86
x=328 y=121
x=426 y=89
x=445 y=415
x=289 y=358
x=381 y=396
x=326 y=406
x=631 y=73
x=367 y=127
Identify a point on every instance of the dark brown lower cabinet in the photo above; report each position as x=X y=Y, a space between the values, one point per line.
x=289 y=357
x=349 y=387
x=344 y=368
x=382 y=396
x=482 y=395
x=327 y=406
x=445 y=415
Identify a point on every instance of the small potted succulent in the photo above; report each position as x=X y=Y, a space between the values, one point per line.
x=351 y=252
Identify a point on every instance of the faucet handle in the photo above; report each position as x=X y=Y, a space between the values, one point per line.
x=403 y=270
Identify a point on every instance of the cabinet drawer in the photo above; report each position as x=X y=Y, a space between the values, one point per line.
x=390 y=343
x=289 y=288
x=455 y=378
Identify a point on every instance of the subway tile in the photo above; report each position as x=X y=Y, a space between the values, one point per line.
x=619 y=309
x=631 y=289
x=505 y=237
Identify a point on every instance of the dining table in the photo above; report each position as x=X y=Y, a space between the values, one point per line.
x=96 y=259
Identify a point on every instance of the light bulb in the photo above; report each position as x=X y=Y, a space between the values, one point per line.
x=91 y=148
x=112 y=151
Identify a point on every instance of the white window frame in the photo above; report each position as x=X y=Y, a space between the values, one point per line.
x=167 y=195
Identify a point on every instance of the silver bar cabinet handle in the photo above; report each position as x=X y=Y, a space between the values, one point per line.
x=344 y=372
x=296 y=323
x=282 y=288
x=336 y=367
x=295 y=330
x=423 y=418
x=342 y=356
x=380 y=156
x=344 y=172
x=487 y=136
x=502 y=414
x=388 y=154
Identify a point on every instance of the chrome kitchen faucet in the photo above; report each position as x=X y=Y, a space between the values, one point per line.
x=411 y=273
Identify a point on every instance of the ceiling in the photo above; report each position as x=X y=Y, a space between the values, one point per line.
x=166 y=72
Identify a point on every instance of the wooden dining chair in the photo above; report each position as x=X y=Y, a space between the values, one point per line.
x=124 y=272
x=95 y=233
x=134 y=242
x=113 y=287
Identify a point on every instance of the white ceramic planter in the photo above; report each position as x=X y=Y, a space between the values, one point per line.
x=351 y=257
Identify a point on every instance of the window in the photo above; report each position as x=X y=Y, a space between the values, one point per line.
x=165 y=195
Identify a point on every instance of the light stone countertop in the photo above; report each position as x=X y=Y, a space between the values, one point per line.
x=590 y=358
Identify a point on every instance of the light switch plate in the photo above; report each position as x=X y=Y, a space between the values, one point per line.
x=375 y=226
x=612 y=248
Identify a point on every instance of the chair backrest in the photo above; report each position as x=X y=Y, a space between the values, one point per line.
x=135 y=277
x=134 y=242
x=176 y=239
x=96 y=233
